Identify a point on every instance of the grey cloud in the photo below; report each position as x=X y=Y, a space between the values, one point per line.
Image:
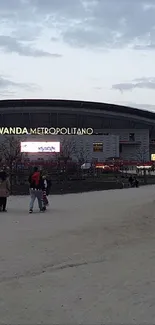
x=85 y=23
x=16 y=10
x=149 y=107
x=37 y=10
x=9 y=88
x=27 y=32
x=9 y=85
x=150 y=46
x=4 y=83
x=54 y=39
x=140 y=83
x=11 y=44
x=113 y=24
x=64 y=9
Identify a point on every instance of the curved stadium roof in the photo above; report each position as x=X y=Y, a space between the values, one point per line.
x=77 y=104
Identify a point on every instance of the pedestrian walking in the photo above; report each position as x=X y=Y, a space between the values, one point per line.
x=44 y=198
x=36 y=189
x=136 y=182
x=4 y=190
x=131 y=180
x=49 y=184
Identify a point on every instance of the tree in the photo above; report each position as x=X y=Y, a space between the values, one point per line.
x=82 y=154
x=141 y=154
x=67 y=150
x=10 y=153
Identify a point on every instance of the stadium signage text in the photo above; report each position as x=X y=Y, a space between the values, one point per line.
x=45 y=131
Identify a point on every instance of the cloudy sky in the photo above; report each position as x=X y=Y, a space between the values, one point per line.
x=96 y=50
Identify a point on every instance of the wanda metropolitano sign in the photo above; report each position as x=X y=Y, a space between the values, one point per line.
x=45 y=131
x=45 y=147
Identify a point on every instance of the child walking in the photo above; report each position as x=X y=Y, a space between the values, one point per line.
x=44 y=198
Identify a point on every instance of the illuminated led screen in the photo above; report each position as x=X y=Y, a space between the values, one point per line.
x=153 y=157
x=35 y=147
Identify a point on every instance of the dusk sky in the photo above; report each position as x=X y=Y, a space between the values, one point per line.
x=95 y=50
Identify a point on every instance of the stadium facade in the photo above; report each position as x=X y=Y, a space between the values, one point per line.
x=118 y=131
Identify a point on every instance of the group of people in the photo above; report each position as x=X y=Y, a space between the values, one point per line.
x=39 y=189
x=133 y=181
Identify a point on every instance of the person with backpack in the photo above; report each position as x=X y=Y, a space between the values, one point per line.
x=36 y=189
x=4 y=190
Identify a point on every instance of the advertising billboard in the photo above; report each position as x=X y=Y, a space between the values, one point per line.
x=38 y=147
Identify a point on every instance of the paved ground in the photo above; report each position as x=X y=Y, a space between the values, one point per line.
x=89 y=260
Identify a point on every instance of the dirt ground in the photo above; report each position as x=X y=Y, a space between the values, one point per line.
x=90 y=259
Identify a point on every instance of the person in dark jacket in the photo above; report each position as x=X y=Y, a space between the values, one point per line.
x=131 y=181
x=49 y=184
x=136 y=182
x=4 y=190
x=36 y=189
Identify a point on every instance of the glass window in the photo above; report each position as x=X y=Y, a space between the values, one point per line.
x=98 y=147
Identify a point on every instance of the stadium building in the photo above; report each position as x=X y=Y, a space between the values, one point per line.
x=108 y=130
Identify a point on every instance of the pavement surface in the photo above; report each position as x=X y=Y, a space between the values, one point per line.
x=90 y=259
